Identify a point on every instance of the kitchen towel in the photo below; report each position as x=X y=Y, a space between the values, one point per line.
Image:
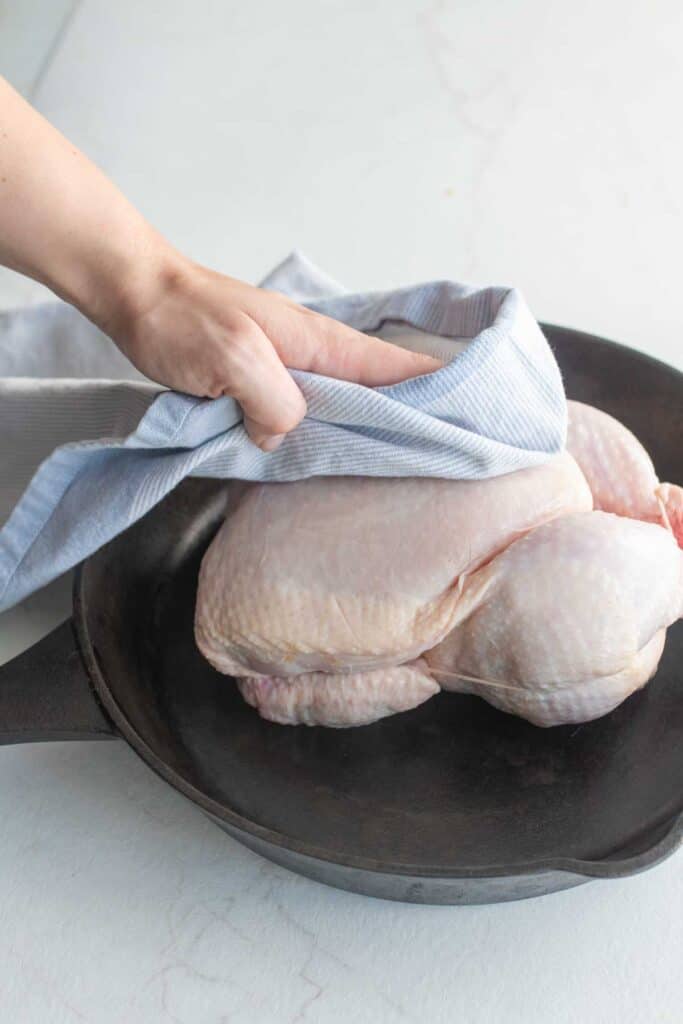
x=89 y=446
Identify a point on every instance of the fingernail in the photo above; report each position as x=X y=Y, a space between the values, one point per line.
x=270 y=444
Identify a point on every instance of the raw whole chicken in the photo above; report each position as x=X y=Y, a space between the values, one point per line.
x=547 y=591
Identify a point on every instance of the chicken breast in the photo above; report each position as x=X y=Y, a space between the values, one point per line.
x=335 y=575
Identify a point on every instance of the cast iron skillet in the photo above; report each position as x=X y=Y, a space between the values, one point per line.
x=453 y=802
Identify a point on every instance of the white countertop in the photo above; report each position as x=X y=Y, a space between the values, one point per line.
x=532 y=144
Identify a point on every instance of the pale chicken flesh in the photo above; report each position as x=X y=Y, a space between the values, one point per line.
x=619 y=471
x=340 y=601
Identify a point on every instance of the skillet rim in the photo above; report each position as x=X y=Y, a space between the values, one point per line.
x=618 y=867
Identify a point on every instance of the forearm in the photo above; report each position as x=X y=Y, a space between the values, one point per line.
x=64 y=224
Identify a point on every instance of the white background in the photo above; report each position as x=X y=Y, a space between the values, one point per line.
x=526 y=142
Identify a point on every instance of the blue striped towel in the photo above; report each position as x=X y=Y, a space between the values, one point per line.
x=89 y=446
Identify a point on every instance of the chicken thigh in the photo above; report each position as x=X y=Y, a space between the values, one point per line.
x=565 y=623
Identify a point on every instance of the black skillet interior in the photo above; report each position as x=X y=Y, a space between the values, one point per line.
x=453 y=784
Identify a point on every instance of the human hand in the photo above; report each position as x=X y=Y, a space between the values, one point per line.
x=206 y=334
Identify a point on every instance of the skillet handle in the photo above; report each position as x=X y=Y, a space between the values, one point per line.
x=45 y=694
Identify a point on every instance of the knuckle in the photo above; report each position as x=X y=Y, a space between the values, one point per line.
x=244 y=335
x=215 y=389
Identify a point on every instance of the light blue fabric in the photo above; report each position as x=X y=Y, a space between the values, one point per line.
x=497 y=406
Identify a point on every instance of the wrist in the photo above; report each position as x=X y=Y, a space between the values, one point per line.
x=126 y=286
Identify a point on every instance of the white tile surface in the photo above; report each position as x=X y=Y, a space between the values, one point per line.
x=120 y=902
x=29 y=31
x=533 y=143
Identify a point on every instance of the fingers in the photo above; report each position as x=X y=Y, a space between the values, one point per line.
x=309 y=341
x=272 y=403
x=277 y=333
